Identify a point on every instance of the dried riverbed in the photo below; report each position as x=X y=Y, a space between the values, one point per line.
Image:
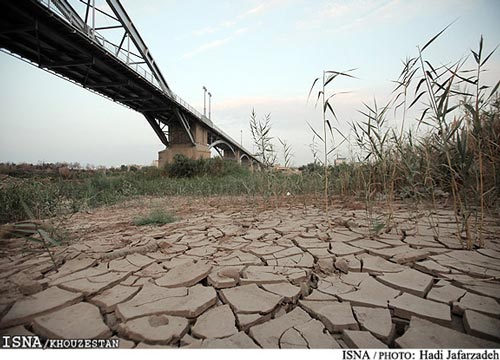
x=256 y=273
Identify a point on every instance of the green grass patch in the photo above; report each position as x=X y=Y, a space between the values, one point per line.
x=155 y=217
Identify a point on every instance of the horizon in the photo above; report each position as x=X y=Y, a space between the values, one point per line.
x=261 y=55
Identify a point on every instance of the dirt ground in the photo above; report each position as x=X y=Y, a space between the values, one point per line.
x=240 y=272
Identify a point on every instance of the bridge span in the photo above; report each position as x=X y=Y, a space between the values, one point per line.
x=103 y=52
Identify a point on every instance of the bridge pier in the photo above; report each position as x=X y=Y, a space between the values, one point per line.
x=232 y=156
x=180 y=143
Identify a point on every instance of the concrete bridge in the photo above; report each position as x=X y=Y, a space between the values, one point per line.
x=71 y=39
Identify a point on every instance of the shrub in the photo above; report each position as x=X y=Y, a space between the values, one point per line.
x=183 y=167
x=155 y=217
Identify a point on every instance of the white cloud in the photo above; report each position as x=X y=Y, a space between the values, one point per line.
x=343 y=16
x=241 y=30
x=215 y=43
x=207 y=46
x=229 y=23
x=256 y=10
x=337 y=9
x=205 y=31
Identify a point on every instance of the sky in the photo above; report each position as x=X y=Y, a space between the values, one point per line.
x=250 y=54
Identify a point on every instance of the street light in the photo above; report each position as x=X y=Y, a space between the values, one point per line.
x=210 y=106
x=205 y=101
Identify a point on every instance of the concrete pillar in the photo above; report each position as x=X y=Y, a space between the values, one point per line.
x=181 y=144
x=229 y=155
x=245 y=161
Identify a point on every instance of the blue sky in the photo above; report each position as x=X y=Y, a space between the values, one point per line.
x=249 y=54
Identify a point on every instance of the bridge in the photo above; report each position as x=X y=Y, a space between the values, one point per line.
x=102 y=51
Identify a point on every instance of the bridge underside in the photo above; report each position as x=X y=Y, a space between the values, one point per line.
x=32 y=31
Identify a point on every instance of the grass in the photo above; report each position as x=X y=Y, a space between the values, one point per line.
x=33 y=231
x=48 y=197
x=155 y=217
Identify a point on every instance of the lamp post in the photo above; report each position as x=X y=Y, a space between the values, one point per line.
x=210 y=106
x=204 y=101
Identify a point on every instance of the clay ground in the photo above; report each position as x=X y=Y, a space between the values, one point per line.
x=256 y=273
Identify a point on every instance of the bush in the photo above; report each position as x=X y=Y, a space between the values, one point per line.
x=312 y=168
x=183 y=167
x=155 y=217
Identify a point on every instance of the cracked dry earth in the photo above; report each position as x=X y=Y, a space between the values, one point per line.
x=232 y=273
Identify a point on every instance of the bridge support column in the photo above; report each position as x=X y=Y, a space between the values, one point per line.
x=245 y=161
x=229 y=155
x=181 y=144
